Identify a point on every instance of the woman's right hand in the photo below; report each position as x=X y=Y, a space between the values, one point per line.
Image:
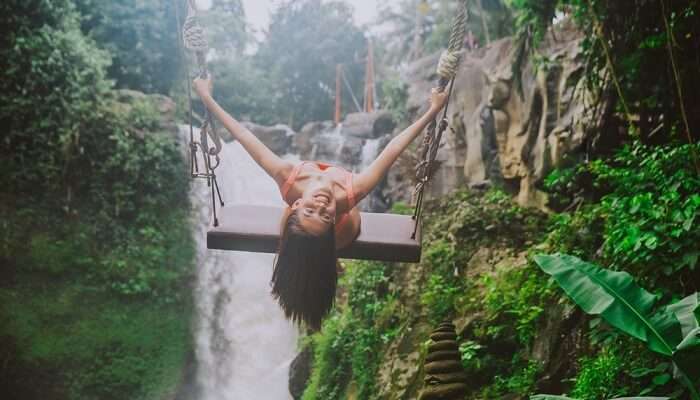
x=202 y=86
x=437 y=100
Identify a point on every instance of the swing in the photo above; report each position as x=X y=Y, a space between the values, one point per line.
x=252 y=228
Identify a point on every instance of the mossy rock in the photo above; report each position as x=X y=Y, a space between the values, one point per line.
x=443 y=366
x=442 y=345
x=450 y=377
x=442 y=335
x=442 y=355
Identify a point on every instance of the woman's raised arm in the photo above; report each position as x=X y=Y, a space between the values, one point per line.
x=364 y=182
x=276 y=167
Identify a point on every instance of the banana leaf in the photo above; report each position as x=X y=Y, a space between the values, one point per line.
x=614 y=296
x=552 y=397
x=687 y=357
x=687 y=311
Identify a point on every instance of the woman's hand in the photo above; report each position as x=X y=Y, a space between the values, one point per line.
x=437 y=100
x=202 y=86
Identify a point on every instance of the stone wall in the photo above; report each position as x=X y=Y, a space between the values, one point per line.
x=514 y=115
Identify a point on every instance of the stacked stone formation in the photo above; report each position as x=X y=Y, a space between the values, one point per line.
x=445 y=378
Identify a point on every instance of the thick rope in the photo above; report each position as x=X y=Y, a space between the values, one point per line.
x=193 y=35
x=449 y=61
x=448 y=64
x=447 y=69
x=193 y=38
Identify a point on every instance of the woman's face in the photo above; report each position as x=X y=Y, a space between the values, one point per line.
x=316 y=208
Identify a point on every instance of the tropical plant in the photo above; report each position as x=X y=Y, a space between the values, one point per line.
x=299 y=54
x=553 y=397
x=672 y=330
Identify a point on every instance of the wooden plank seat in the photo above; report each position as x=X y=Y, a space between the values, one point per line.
x=383 y=237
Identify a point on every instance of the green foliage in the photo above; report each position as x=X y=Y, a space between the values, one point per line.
x=650 y=54
x=644 y=221
x=468 y=351
x=94 y=300
x=439 y=296
x=522 y=382
x=348 y=347
x=516 y=297
x=579 y=233
x=467 y=219
x=652 y=209
x=331 y=370
x=96 y=348
x=141 y=37
x=299 y=54
x=401 y=208
x=394 y=94
x=226 y=27
x=552 y=397
x=53 y=80
x=597 y=377
x=434 y=26
x=243 y=88
x=533 y=17
x=615 y=297
x=615 y=371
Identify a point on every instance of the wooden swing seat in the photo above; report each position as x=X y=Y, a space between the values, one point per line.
x=250 y=228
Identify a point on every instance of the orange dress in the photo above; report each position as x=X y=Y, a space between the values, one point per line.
x=344 y=217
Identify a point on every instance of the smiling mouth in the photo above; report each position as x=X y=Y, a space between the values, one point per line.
x=323 y=198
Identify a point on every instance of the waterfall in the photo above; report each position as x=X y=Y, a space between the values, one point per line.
x=243 y=343
x=370 y=150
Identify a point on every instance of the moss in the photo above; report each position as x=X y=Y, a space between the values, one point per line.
x=61 y=317
x=95 y=300
x=351 y=346
x=348 y=350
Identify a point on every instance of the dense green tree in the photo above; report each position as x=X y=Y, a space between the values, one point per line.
x=428 y=24
x=141 y=36
x=226 y=28
x=93 y=300
x=53 y=80
x=644 y=62
x=305 y=42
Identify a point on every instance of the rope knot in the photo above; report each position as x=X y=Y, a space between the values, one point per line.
x=193 y=35
x=448 y=64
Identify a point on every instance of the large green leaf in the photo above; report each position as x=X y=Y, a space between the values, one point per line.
x=614 y=296
x=553 y=397
x=687 y=357
x=687 y=311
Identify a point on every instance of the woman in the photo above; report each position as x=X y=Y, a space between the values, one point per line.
x=322 y=216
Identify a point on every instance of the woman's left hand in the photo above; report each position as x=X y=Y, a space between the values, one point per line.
x=203 y=87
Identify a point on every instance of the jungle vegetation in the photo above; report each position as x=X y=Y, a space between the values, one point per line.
x=95 y=296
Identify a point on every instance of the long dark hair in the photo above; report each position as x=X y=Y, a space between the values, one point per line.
x=305 y=276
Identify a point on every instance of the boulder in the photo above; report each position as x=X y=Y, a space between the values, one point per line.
x=368 y=125
x=299 y=372
x=277 y=137
x=303 y=140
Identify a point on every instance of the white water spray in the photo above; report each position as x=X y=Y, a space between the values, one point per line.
x=243 y=343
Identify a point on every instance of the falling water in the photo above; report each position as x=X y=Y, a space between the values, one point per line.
x=243 y=343
x=369 y=152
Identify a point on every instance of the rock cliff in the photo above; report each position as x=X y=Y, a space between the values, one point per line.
x=514 y=115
